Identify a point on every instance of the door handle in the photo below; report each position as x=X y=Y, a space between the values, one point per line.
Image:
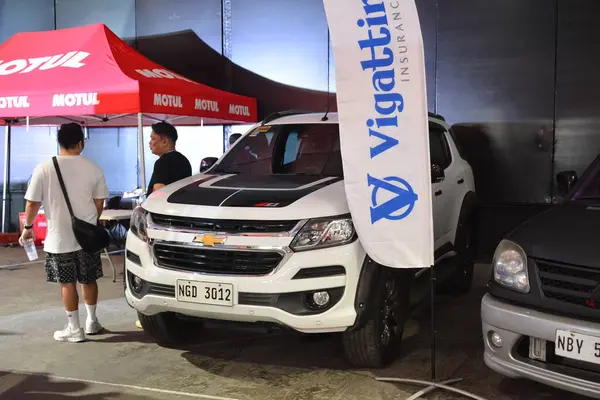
x=461 y=181
x=438 y=192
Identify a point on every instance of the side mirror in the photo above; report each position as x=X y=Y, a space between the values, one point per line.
x=566 y=180
x=437 y=173
x=207 y=162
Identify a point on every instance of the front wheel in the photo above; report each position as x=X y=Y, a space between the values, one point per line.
x=378 y=342
x=462 y=279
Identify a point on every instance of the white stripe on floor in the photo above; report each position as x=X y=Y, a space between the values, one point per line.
x=133 y=387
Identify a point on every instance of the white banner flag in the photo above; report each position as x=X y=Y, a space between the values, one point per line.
x=382 y=109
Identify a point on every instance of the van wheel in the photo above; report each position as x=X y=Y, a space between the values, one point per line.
x=378 y=342
x=167 y=328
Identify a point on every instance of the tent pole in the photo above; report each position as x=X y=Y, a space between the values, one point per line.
x=141 y=152
x=6 y=176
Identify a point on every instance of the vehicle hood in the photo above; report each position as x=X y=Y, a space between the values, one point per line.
x=240 y=196
x=567 y=233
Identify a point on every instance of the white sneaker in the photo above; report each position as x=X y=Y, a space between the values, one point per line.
x=68 y=335
x=93 y=327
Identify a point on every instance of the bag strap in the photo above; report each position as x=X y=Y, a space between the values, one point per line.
x=62 y=185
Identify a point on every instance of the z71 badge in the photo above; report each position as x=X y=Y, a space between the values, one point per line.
x=266 y=204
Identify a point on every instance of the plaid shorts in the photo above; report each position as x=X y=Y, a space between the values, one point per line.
x=78 y=266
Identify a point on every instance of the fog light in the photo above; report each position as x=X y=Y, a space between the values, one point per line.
x=496 y=339
x=321 y=299
x=137 y=283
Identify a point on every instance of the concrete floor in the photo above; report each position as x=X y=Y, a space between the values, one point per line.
x=226 y=362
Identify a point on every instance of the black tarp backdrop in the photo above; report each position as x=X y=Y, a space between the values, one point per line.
x=495 y=84
x=577 y=85
x=517 y=79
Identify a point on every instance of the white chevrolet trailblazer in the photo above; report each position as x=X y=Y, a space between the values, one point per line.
x=265 y=235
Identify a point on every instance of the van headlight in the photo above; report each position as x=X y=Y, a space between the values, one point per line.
x=324 y=232
x=139 y=223
x=510 y=266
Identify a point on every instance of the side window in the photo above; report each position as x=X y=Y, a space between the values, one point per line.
x=461 y=151
x=269 y=136
x=291 y=148
x=438 y=148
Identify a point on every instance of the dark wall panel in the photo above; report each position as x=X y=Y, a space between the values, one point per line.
x=118 y=15
x=25 y=16
x=157 y=17
x=578 y=85
x=496 y=84
x=283 y=40
x=428 y=13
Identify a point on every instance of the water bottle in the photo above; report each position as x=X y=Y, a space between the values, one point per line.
x=30 y=249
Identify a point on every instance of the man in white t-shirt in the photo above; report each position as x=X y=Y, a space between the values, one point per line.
x=66 y=262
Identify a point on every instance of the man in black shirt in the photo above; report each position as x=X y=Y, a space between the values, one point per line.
x=234 y=138
x=171 y=166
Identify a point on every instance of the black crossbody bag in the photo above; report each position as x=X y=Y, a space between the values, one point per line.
x=92 y=238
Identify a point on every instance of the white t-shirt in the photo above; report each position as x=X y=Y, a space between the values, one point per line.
x=84 y=182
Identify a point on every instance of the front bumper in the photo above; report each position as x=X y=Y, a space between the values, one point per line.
x=264 y=298
x=515 y=324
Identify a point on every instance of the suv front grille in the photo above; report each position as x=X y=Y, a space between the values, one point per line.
x=568 y=283
x=213 y=261
x=222 y=225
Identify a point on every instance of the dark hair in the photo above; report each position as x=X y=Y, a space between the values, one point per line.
x=70 y=135
x=165 y=129
x=234 y=137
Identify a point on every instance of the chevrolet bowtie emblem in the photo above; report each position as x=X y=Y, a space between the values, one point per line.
x=209 y=240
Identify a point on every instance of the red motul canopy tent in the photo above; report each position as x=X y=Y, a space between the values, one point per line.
x=88 y=75
x=88 y=72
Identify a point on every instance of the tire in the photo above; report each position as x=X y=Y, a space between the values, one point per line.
x=167 y=328
x=378 y=342
x=462 y=280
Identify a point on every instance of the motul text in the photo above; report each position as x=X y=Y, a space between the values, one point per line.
x=167 y=100
x=75 y=99
x=239 y=110
x=161 y=73
x=14 y=102
x=206 y=105
x=72 y=59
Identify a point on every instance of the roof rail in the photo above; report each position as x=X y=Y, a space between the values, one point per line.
x=279 y=114
x=436 y=116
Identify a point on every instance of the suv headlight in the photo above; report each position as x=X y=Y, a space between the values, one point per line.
x=324 y=232
x=510 y=266
x=139 y=223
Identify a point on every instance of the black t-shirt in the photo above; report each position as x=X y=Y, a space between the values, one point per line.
x=169 y=168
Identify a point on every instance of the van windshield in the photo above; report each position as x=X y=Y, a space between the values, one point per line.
x=294 y=149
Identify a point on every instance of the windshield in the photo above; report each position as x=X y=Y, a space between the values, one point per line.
x=589 y=188
x=299 y=149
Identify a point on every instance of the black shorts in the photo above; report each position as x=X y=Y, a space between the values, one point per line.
x=78 y=266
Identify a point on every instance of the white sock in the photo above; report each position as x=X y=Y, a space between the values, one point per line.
x=91 y=312
x=73 y=317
